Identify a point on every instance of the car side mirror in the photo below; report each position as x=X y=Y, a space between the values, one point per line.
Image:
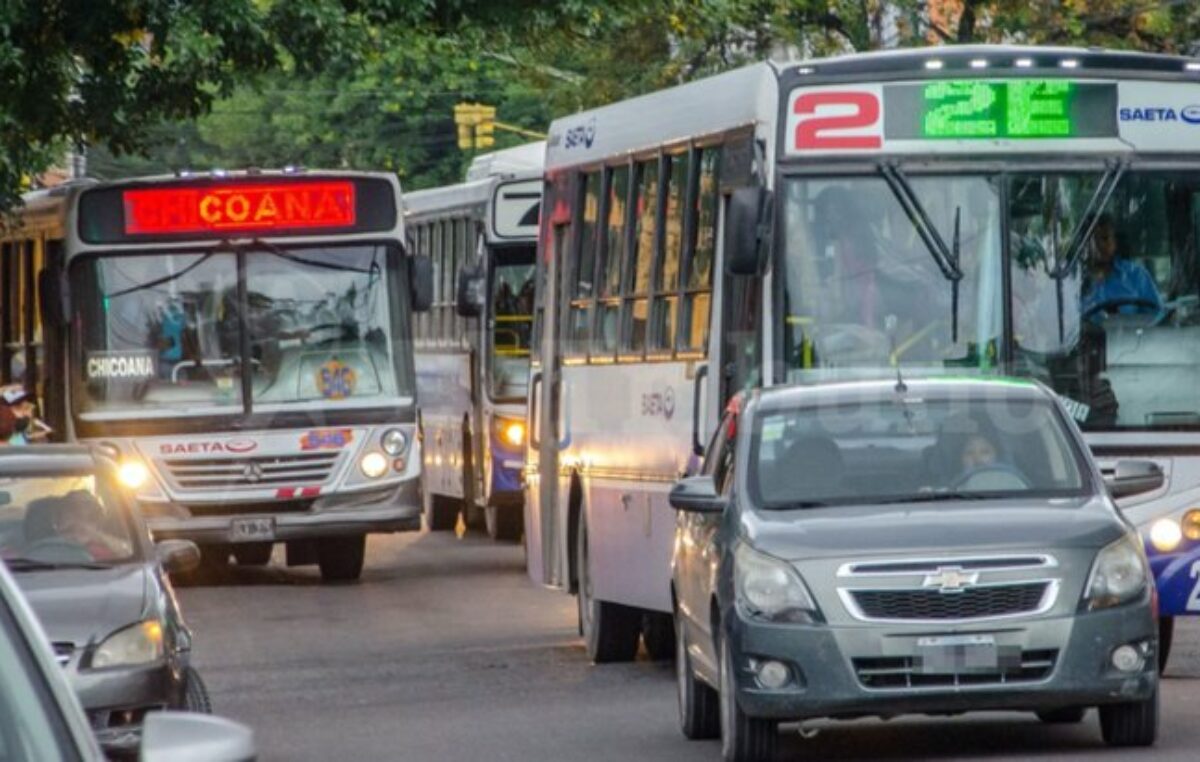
x=192 y=737
x=420 y=282
x=746 y=229
x=178 y=556
x=697 y=494
x=1134 y=477
x=469 y=299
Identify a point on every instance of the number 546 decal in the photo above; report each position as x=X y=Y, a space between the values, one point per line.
x=835 y=119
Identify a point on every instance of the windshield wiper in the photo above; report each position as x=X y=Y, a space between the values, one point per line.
x=32 y=564
x=934 y=497
x=946 y=257
x=797 y=504
x=282 y=253
x=1083 y=231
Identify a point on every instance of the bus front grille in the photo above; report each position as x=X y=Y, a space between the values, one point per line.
x=251 y=472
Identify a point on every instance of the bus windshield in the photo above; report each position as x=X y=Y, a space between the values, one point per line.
x=170 y=333
x=511 y=320
x=866 y=287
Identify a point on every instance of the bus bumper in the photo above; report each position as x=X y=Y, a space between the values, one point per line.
x=1177 y=577
x=390 y=509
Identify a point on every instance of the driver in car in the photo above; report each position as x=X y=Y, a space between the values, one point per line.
x=1115 y=282
x=978 y=456
x=76 y=518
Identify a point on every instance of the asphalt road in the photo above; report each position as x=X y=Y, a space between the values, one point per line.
x=446 y=652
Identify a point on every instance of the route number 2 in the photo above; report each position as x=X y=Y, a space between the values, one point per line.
x=832 y=120
x=1193 y=601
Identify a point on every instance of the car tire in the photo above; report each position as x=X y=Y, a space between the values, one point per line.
x=1131 y=724
x=699 y=706
x=658 y=635
x=1166 y=634
x=253 y=553
x=504 y=523
x=609 y=630
x=341 y=558
x=195 y=693
x=743 y=738
x=1065 y=716
x=441 y=513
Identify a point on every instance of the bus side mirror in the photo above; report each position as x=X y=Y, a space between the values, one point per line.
x=468 y=300
x=1134 y=477
x=53 y=291
x=420 y=283
x=746 y=229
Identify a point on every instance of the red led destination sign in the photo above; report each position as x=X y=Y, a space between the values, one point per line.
x=239 y=207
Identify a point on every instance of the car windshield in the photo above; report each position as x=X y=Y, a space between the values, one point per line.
x=162 y=334
x=909 y=449
x=511 y=303
x=68 y=521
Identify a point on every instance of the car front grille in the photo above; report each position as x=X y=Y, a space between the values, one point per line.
x=934 y=605
x=904 y=672
x=260 y=471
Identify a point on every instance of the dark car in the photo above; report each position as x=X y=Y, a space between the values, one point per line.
x=888 y=548
x=84 y=559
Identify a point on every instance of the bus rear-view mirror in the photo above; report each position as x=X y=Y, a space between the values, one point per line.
x=746 y=229
x=469 y=295
x=420 y=281
x=1134 y=477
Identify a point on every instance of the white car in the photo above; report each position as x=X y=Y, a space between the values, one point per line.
x=41 y=719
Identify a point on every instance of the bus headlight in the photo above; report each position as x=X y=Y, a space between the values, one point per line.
x=133 y=473
x=373 y=465
x=394 y=442
x=141 y=643
x=1165 y=535
x=511 y=431
x=1191 y=524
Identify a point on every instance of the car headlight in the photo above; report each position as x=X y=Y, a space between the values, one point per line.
x=394 y=442
x=511 y=431
x=1119 y=574
x=768 y=588
x=141 y=643
x=133 y=473
x=373 y=465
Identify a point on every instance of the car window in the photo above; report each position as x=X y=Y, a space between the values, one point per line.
x=63 y=520
x=909 y=449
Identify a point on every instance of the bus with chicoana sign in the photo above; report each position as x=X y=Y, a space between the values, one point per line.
x=1016 y=210
x=241 y=344
x=472 y=348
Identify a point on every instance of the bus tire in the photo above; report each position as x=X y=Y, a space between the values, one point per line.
x=441 y=514
x=341 y=558
x=1166 y=634
x=253 y=553
x=609 y=630
x=214 y=558
x=658 y=635
x=504 y=523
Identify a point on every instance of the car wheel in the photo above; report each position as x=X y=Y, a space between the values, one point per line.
x=253 y=553
x=1132 y=724
x=1066 y=716
x=610 y=630
x=341 y=558
x=504 y=523
x=195 y=693
x=658 y=635
x=699 y=710
x=441 y=513
x=743 y=738
x=1166 y=634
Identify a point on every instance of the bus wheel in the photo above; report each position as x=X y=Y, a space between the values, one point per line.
x=441 y=514
x=214 y=558
x=253 y=553
x=504 y=523
x=341 y=558
x=658 y=635
x=610 y=630
x=1166 y=634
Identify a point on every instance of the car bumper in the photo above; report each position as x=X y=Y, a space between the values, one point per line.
x=391 y=509
x=827 y=664
x=117 y=700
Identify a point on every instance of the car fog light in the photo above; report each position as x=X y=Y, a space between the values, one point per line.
x=1191 y=524
x=133 y=473
x=373 y=465
x=1165 y=535
x=773 y=675
x=1126 y=658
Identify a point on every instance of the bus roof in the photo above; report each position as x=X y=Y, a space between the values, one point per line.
x=447 y=199
x=527 y=159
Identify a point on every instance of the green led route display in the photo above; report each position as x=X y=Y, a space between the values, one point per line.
x=976 y=109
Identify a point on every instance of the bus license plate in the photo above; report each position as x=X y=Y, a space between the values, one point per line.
x=957 y=654
x=252 y=529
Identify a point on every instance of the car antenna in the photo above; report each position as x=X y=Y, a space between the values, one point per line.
x=889 y=327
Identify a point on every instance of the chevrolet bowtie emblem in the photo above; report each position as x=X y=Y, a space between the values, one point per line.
x=951 y=579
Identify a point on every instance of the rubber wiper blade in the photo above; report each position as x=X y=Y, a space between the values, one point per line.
x=798 y=504
x=32 y=564
x=935 y=497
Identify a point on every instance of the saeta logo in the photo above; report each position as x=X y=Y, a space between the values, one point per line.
x=1190 y=114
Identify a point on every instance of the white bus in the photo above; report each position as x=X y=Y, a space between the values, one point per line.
x=1027 y=211
x=240 y=342
x=472 y=349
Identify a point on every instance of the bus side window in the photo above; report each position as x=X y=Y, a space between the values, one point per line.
x=421 y=327
x=635 y=306
x=699 y=251
x=612 y=253
x=665 y=309
x=584 y=267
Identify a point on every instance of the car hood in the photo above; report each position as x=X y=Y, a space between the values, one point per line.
x=969 y=527
x=80 y=606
